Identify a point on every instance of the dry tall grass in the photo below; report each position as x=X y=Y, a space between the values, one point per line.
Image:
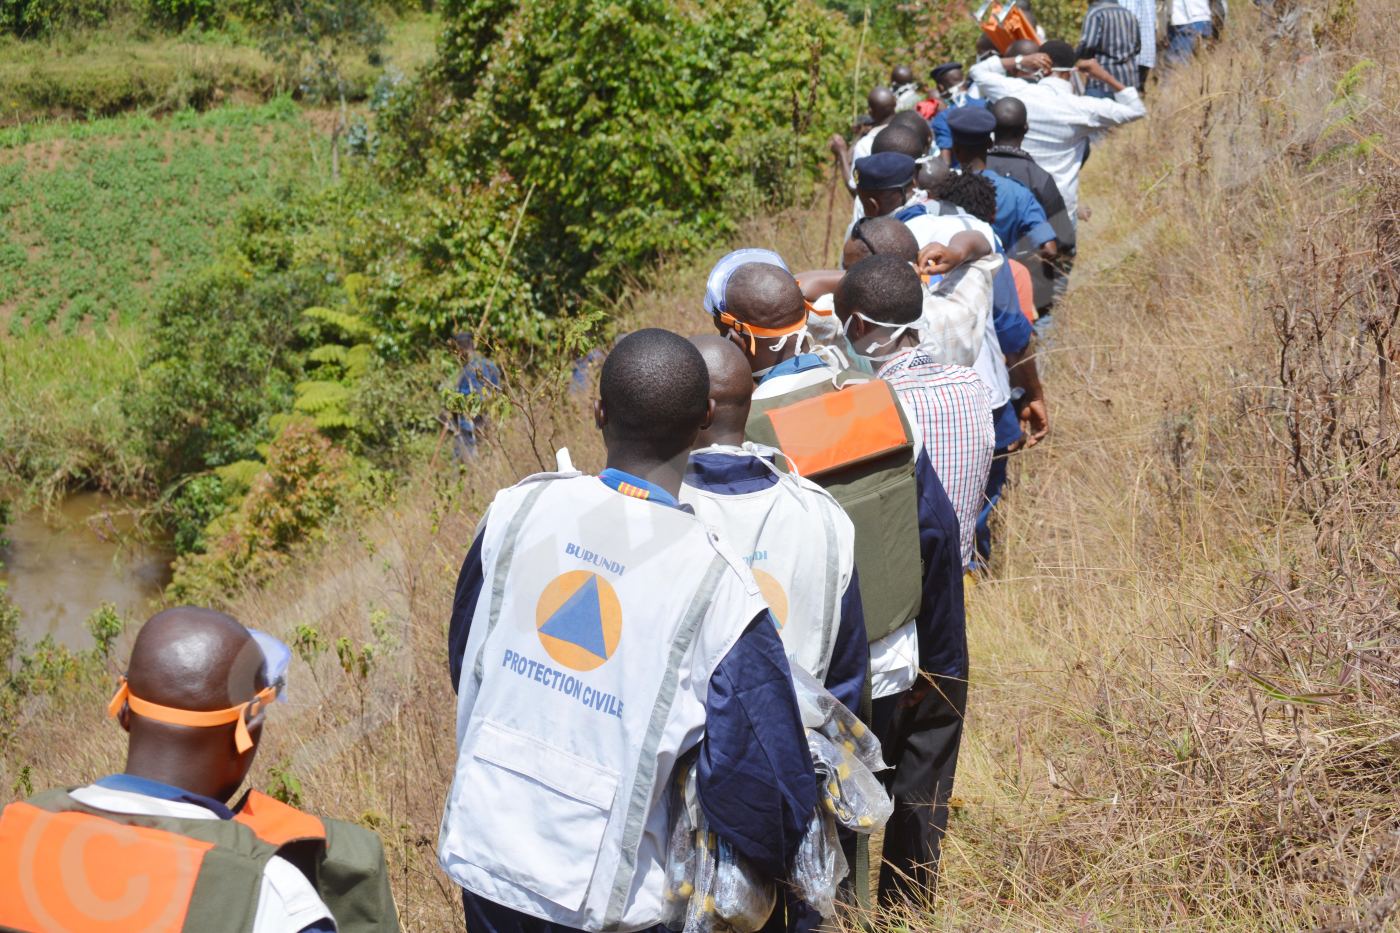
x=1184 y=702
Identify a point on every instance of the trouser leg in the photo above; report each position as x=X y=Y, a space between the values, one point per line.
x=996 y=479
x=923 y=742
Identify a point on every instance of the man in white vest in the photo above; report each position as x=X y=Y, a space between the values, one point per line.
x=599 y=633
x=794 y=536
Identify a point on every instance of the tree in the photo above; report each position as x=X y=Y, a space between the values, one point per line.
x=313 y=40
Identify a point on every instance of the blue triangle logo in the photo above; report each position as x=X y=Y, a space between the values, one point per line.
x=579 y=621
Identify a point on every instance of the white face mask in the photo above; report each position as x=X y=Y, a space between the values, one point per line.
x=899 y=330
x=800 y=337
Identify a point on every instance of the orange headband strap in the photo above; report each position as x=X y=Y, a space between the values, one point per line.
x=752 y=331
x=199 y=719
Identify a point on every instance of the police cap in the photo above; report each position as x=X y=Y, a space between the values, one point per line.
x=943 y=69
x=884 y=170
x=972 y=125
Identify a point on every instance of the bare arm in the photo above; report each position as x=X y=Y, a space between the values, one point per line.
x=1035 y=416
x=817 y=282
x=838 y=148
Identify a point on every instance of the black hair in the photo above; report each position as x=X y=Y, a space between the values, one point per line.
x=655 y=391
x=899 y=138
x=912 y=120
x=1061 y=53
x=1010 y=114
x=972 y=193
x=883 y=288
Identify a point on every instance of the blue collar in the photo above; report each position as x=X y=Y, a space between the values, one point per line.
x=794 y=365
x=728 y=474
x=637 y=488
x=149 y=788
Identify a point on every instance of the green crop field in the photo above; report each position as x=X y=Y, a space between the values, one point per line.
x=95 y=217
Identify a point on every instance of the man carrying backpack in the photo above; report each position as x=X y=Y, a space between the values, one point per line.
x=161 y=835
x=600 y=632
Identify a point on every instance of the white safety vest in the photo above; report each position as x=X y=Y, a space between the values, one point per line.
x=799 y=544
x=584 y=678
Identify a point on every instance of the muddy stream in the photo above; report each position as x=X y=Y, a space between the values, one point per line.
x=83 y=553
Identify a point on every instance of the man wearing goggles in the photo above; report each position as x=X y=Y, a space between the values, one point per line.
x=158 y=847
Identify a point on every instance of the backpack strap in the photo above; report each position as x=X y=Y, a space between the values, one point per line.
x=275 y=822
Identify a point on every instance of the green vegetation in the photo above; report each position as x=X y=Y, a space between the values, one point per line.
x=325 y=306
x=107 y=71
x=95 y=221
x=597 y=137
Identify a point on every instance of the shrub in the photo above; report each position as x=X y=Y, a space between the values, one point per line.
x=633 y=130
x=31 y=18
x=304 y=484
x=222 y=362
x=224 y=353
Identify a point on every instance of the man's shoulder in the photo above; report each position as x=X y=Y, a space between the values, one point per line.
x=922 y=372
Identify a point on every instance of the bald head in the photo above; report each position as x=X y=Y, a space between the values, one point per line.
x=198 y=660
x=932 y=173
x=899 y=138
x=884 y=236
x=1022 y=47
x=195 y=659
x=912 y=120
x=902 y=74
x=765 y=296
x=881 y=102
x=1010 y=114
x=731 y=389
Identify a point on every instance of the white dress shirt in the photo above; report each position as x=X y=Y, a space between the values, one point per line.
x=1060 y=122
x=1190 y=11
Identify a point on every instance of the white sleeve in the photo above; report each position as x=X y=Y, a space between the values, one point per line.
x=287 y=903
x=1095 y=113
x=991 y=78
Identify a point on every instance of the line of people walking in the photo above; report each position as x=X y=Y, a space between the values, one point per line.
x=804 y=489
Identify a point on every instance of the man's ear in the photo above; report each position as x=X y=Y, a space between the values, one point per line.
x=857 y=326
x=600 y=415
x=736 y=338
x=709 y=415
x=124 y=717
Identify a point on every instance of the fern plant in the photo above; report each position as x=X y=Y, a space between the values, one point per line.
x=335 y=366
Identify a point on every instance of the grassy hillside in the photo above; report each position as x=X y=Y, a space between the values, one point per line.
x=124 y=66
x=1183 y=709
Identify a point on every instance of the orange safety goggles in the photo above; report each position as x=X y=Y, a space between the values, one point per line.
x=199 y=719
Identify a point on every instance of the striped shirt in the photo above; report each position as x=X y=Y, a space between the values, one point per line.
x=1146 y=13
x=1113 y=36
x=953 y=411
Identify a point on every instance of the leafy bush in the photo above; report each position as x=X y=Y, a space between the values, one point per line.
x=225 y=349
x=178 y=14
x=305 y=482
x=633 y=129
x=30 y=18
x=192 y=507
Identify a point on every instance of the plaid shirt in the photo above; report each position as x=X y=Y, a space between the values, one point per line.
x=953 y=410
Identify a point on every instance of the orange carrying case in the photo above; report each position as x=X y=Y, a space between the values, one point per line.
x=839 y=429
